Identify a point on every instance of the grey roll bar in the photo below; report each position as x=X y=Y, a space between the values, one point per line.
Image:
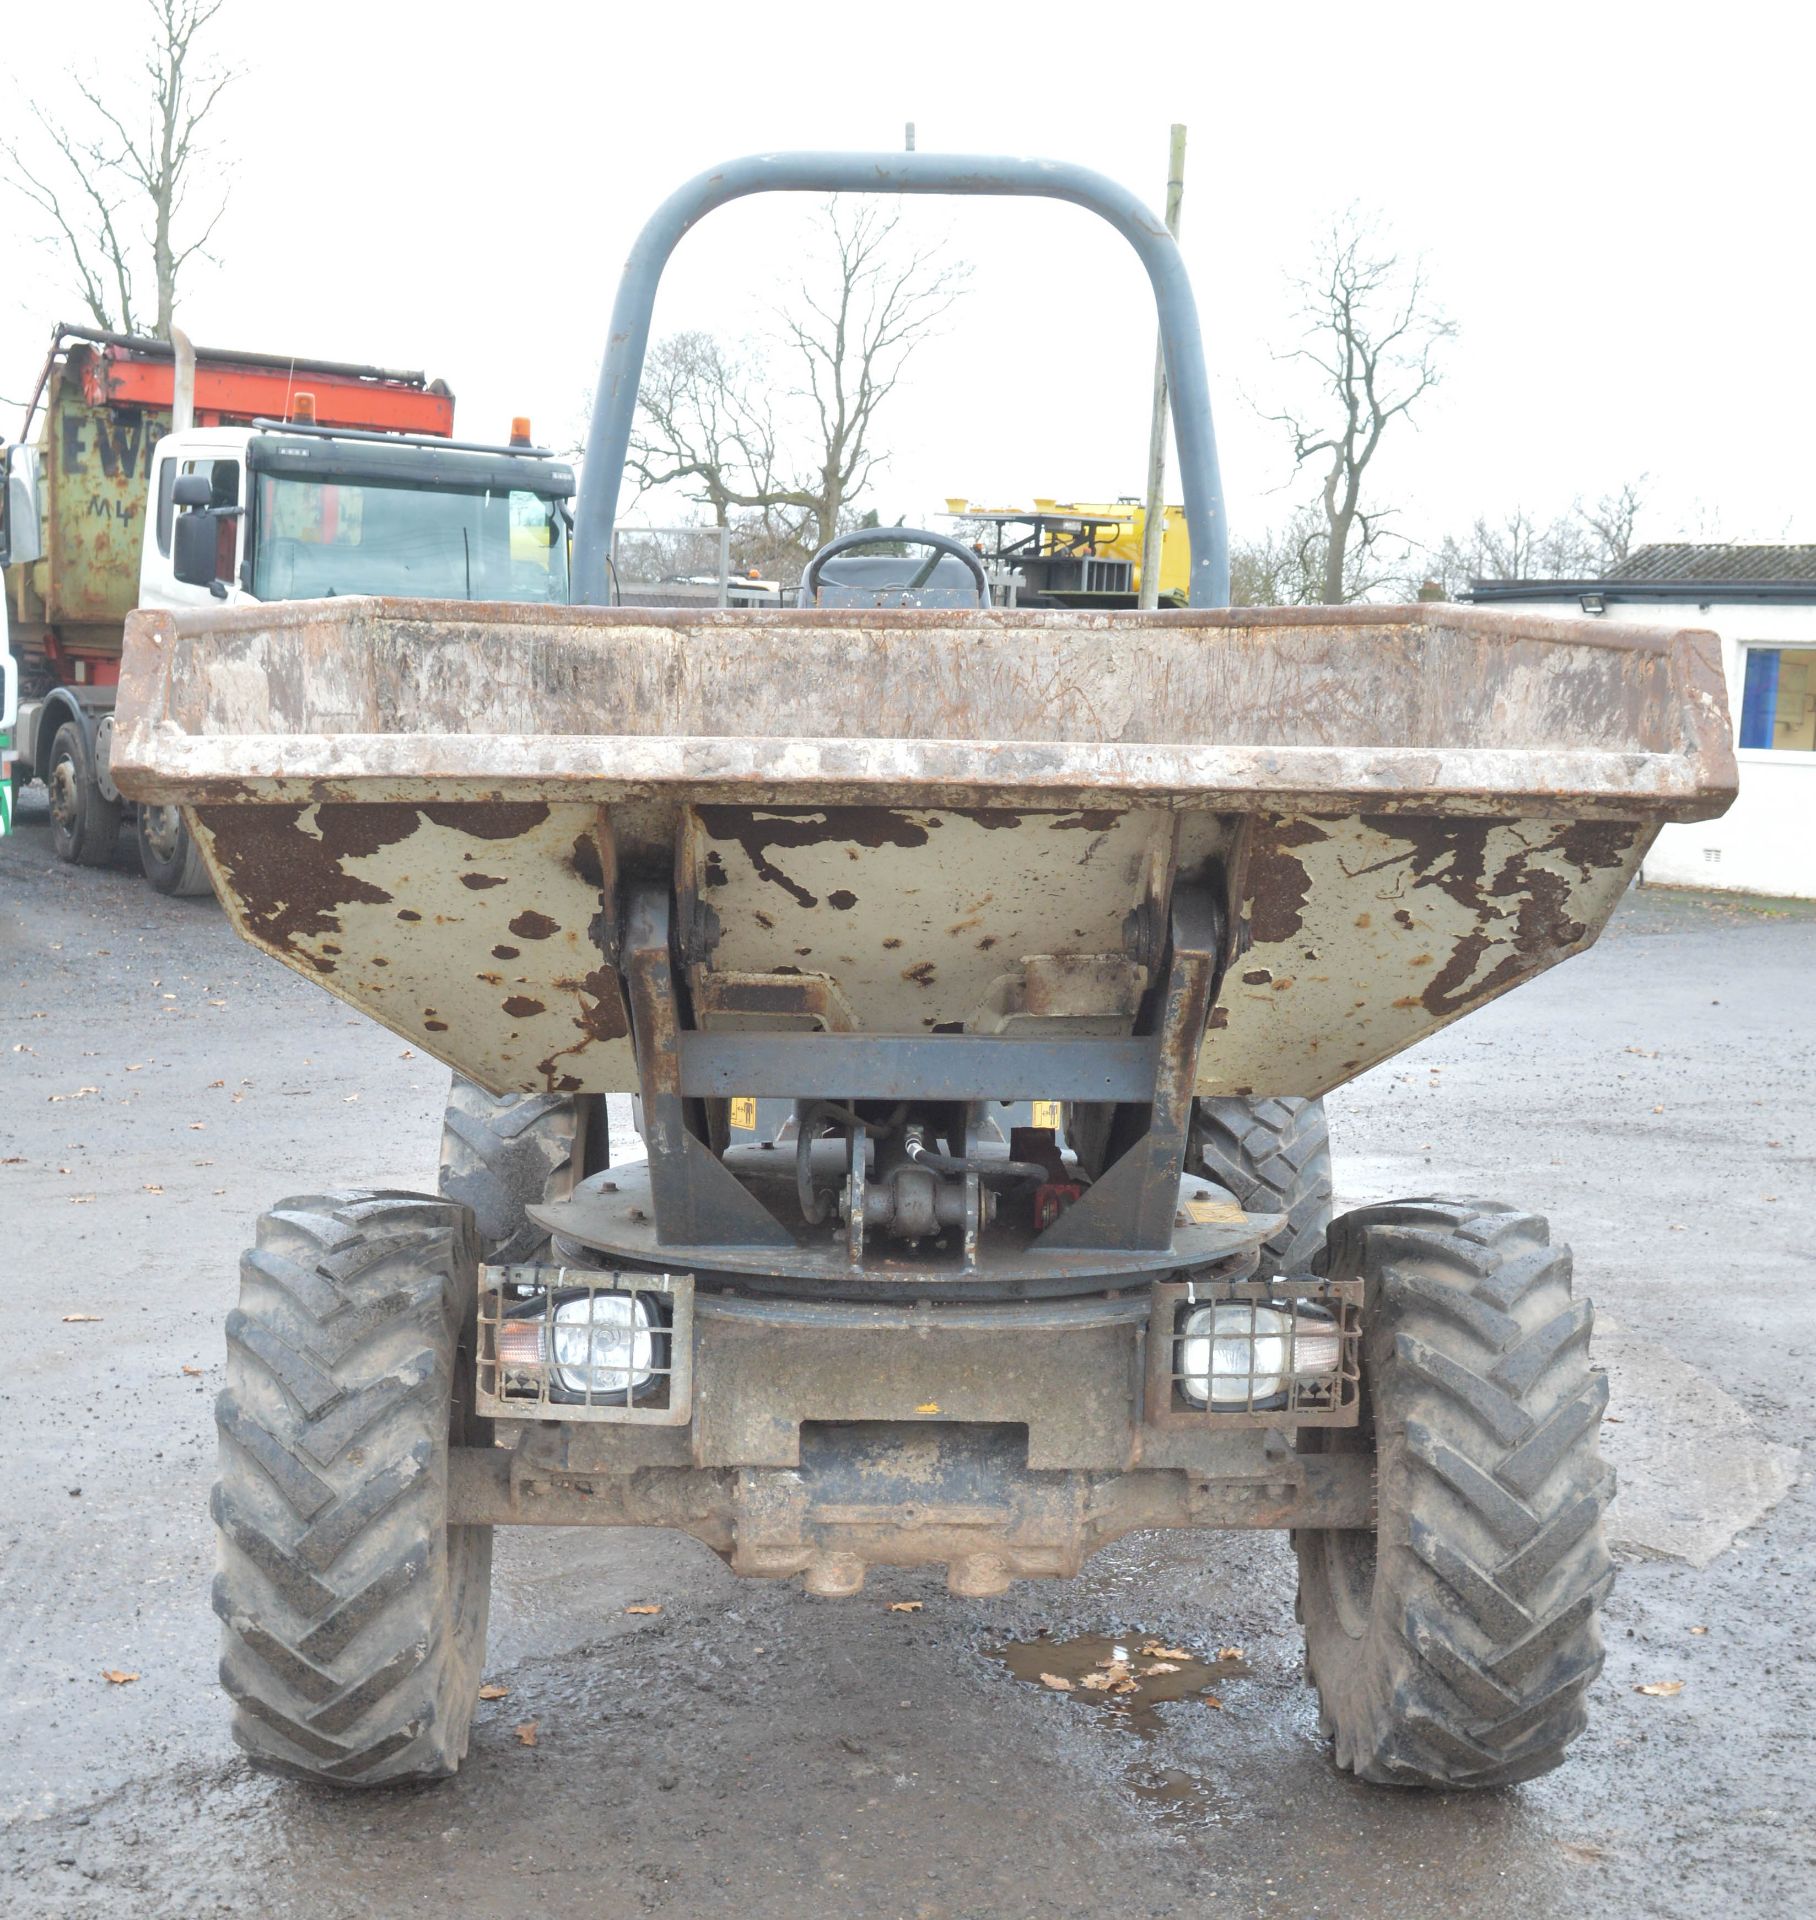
x=615 y=402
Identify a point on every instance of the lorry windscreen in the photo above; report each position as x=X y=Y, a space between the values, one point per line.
x=316 y=537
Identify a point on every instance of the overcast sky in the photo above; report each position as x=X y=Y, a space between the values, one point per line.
x=1611 y=203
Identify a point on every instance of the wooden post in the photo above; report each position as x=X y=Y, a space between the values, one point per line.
x=1154 y=528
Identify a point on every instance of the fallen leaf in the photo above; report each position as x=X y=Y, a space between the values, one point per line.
x=1058 y=1682
x=1230 y=1653
x=928 y=1406
x=1658 y=1109
x=526 y=1733
x=1125 y=1686
x=217 y=1083
x=406 y=1055
x=1211 y=1700
x=195 y=1373
x=1097 y=1682
x=1166 y=1653
x=1661 y=1689
x=905 y=1606
x=351 y=1098
x=81 y=1199
x=72 y=1319
x=151 y=1186
x=493 y=1692
x=17 y=1160
x=198 y=1126
x=643 y=1609
x=118 y=1677
x=1160 y=1666
x=138 y=1066
x=1699 y=1630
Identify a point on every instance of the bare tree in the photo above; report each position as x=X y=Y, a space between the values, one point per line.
x=1579 y=544
x=780 y=461
x=1283 y=566
x=113 y=181
x=1372 y=337
x=854 y=346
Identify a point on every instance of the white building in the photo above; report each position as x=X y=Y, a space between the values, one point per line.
x=1761 y=601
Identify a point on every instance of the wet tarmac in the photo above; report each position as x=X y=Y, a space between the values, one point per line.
x=750 y=1750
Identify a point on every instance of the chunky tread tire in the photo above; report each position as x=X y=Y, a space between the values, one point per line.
x=353 y=1617
x=501 y=1153
x=1465 y=1659
x=85 y=824
x=1274 y=1156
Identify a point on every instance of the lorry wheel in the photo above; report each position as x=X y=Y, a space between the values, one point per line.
x=501 y=1153
x=354 y=1616
x=1274 y=1156
x=84 y=824
x=1453 y=1646
x=168 y=853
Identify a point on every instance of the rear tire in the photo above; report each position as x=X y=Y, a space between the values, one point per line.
x=168 y=853
x=84 y=824
x=501 y=1153
x=354 y=1616
x=1453 y=1646
x=1274 y=1156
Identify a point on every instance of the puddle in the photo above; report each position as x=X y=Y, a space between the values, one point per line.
x=1126 y=1674
x=1175 y=1798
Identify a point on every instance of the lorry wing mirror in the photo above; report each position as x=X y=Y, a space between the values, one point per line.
x=192 y=550
x=191 y=490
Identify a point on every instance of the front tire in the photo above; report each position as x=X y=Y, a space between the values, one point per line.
x=84 y=823
x=1274 y=1156
x=353 y=1616
x=501 y=1153
x=1454 y=1645
x=168 y=853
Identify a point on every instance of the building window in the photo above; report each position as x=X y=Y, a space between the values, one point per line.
x=1778 y=699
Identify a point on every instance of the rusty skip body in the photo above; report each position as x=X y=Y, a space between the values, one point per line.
x=899 y=823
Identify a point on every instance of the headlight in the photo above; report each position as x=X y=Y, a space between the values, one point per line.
x=605 y=1344
x=1242 y=1355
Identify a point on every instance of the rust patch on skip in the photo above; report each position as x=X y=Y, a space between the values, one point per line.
x=506 y=953
x=891 y=944
x=531 y=925
x=844 y=899
x=1278 y=883
x=1220 y=1018
x=1257 y=977
x=921 y=973
x=1521 y=904
x=487 y=819
x=521 y=1007
x=585 y=861
x=291 y=883
x=759 y=832
x=479 y=882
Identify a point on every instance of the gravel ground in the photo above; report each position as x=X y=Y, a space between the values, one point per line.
x=755 y=1752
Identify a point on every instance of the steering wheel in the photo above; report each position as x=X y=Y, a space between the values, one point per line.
x=939 y=543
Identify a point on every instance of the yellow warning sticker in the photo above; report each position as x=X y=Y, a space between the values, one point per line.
x=744 y=1112
x=1046 y=1113
x=1214 y=1213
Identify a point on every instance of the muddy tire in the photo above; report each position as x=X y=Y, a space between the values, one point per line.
x=1274 y=1156
x=171 y=860
x=501 y=1153
x=84 y=823
x=1454 y=1646
x=353 y=1617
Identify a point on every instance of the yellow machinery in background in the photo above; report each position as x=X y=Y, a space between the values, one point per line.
x=1071 y=553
